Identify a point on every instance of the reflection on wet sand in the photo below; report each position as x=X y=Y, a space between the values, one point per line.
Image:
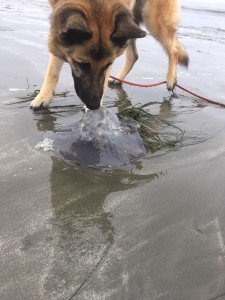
x=122 y=99
x=85 y=230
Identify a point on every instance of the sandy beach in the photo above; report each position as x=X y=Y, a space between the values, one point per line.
x=154 y=230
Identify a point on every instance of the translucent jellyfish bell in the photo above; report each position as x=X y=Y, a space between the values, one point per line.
x=100 y=139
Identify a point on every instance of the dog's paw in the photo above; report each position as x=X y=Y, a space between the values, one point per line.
x=171 y=85
x=40 y=102
x=114 y=82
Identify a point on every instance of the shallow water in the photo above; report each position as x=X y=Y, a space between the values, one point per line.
x=153 y=230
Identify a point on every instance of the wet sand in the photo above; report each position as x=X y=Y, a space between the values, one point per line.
x=154 y=230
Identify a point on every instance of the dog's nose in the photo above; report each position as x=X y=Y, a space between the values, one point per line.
x=93 y=106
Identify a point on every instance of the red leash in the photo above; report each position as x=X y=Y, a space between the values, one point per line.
x=137 y=84
x=164 y=82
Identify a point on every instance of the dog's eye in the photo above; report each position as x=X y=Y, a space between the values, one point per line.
x=83 y=66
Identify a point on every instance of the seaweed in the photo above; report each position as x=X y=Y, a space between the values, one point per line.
x=156 y=132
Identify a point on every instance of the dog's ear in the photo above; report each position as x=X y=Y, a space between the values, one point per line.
x=74 y=28
x=125 y=28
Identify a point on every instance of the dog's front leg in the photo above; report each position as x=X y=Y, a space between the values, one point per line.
x=131 y=58
x=108 y=72
x=51 y=78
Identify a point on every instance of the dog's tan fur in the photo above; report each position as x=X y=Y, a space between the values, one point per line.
x=98 y=18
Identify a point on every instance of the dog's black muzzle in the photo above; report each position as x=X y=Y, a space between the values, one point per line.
x=89 y=90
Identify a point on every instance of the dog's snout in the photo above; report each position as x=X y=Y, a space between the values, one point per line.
x=93 y=106
x=89 y=91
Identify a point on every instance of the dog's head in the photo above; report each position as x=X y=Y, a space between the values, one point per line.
x=90 y=38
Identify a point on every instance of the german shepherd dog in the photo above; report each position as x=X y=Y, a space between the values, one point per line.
x=91 y=34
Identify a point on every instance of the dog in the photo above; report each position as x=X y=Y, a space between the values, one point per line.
x=91 y=34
